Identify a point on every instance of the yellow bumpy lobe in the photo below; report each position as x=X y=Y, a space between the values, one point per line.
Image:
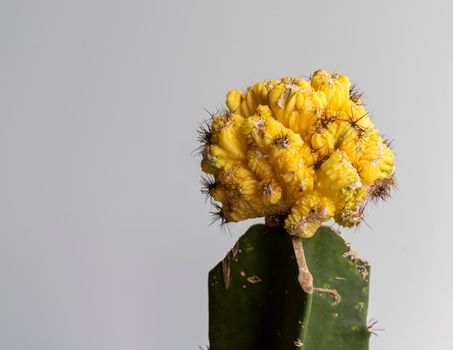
x=304 y=149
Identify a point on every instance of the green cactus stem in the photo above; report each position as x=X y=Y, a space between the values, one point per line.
x=256 y=300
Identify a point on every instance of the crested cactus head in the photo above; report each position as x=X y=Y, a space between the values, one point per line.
x=303 y=149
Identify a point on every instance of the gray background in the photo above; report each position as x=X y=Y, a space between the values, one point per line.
x=104 y=237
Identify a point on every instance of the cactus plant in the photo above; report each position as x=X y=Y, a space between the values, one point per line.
x=299 y=153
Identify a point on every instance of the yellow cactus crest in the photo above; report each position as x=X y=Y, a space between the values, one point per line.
x=304 y=150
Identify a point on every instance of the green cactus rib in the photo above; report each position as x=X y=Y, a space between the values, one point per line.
x=256 y=302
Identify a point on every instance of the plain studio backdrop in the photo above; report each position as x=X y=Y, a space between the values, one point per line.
x=104 y=236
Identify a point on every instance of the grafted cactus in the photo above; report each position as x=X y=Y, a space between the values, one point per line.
x=299 y=153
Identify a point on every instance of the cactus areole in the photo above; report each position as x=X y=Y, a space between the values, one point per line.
x=298 y=153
